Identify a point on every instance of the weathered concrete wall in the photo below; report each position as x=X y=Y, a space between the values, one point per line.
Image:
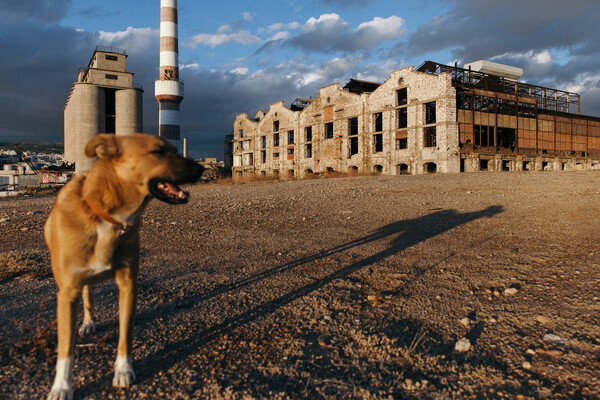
x=337 y=106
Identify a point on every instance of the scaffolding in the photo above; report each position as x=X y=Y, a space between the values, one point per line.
x=546 y=98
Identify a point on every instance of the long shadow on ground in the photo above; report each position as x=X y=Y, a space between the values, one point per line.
x=409 y=233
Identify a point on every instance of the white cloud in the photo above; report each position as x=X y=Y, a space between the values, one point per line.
x=193 y=66
x=279 y=36
x=133 y=40
x=219 y=38
x=330 y=32
x=239 y=71
x=280 y=27
x=383 y=28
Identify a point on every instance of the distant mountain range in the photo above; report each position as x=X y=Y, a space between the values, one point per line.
x=38 y=147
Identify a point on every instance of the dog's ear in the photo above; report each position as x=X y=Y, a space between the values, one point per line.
x=103 y=146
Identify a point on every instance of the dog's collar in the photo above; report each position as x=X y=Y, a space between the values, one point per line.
x=107 y=217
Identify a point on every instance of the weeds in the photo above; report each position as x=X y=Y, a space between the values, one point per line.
x=40 y=337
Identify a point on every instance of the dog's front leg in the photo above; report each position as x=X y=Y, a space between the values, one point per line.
x=67 y=304
x=127 y=283
x=89 y=325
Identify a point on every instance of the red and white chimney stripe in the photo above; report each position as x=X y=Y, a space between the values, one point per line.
x=168 y=90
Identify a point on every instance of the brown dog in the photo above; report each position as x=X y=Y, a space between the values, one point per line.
x=93 y=235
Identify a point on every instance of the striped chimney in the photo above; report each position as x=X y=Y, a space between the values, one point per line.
x=168 y=89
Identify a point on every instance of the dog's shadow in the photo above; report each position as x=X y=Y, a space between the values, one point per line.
x=407 y=233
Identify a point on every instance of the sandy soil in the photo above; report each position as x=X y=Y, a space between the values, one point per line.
x=334 y=288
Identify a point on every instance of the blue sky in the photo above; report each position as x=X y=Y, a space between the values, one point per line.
x=239 y=56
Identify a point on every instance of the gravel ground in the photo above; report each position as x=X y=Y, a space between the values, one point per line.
x=358 y=288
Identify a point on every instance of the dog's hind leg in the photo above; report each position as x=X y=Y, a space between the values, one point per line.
x=67 y=304
x=127 y=282
x=89 y=324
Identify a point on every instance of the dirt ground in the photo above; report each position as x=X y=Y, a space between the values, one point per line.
x=348 y=288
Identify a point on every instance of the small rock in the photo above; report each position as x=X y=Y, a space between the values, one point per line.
x=555 y=338
x=542 y=320
x=510 y=291
x=531 y=352
x=465 y=321
x=462 y=345
x=4 y=220
x=526 y=365
x=496 y=293
x=493 y=320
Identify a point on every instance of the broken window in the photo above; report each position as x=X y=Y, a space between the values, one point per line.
x=275 y=126
x=353 y=126
x=402 y=96
x=402 y=117
x=328 y=130
x=241 y=133
x=429 y=139
x=275 y=156
x=290 y=137
x=507 y=138
x=308 y=132
x=276 y=139
x=401 y=144
x=378 y=120
x=378 y=143
x=430 y=113
x=263 y=156
x=353 y=145
x=483 y=135
x=309 y=150
x=264 y=142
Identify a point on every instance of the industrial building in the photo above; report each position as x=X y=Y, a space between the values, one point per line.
x=102 y=100
x=435 y=118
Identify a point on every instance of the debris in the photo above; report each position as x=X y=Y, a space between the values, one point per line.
x=510 y=291
x=555 y=338
x=542 y=320
x=462 y=345
x=526 y=365
x=553 y=353
x=531 y=352
x=465 y=321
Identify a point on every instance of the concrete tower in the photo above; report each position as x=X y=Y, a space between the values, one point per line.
x=102 y=100
x=168 y=90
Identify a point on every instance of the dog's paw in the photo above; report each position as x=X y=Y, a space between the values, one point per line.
x=87 y=328
x=60 y=394
x=124 y=375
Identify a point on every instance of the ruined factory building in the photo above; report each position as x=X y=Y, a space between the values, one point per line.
x=102 y=100
x=436 y=118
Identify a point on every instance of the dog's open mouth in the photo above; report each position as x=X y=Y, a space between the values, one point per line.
x=168 y=192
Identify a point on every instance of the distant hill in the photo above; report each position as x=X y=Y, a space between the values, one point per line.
x=38 y=147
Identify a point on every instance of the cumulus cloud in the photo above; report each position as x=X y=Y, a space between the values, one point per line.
x=330 y=32
x=134 y=40
x=282 y=27
x=346 y=3
x=221 y=37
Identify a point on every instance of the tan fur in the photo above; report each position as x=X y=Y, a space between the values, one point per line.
x=86 y=249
